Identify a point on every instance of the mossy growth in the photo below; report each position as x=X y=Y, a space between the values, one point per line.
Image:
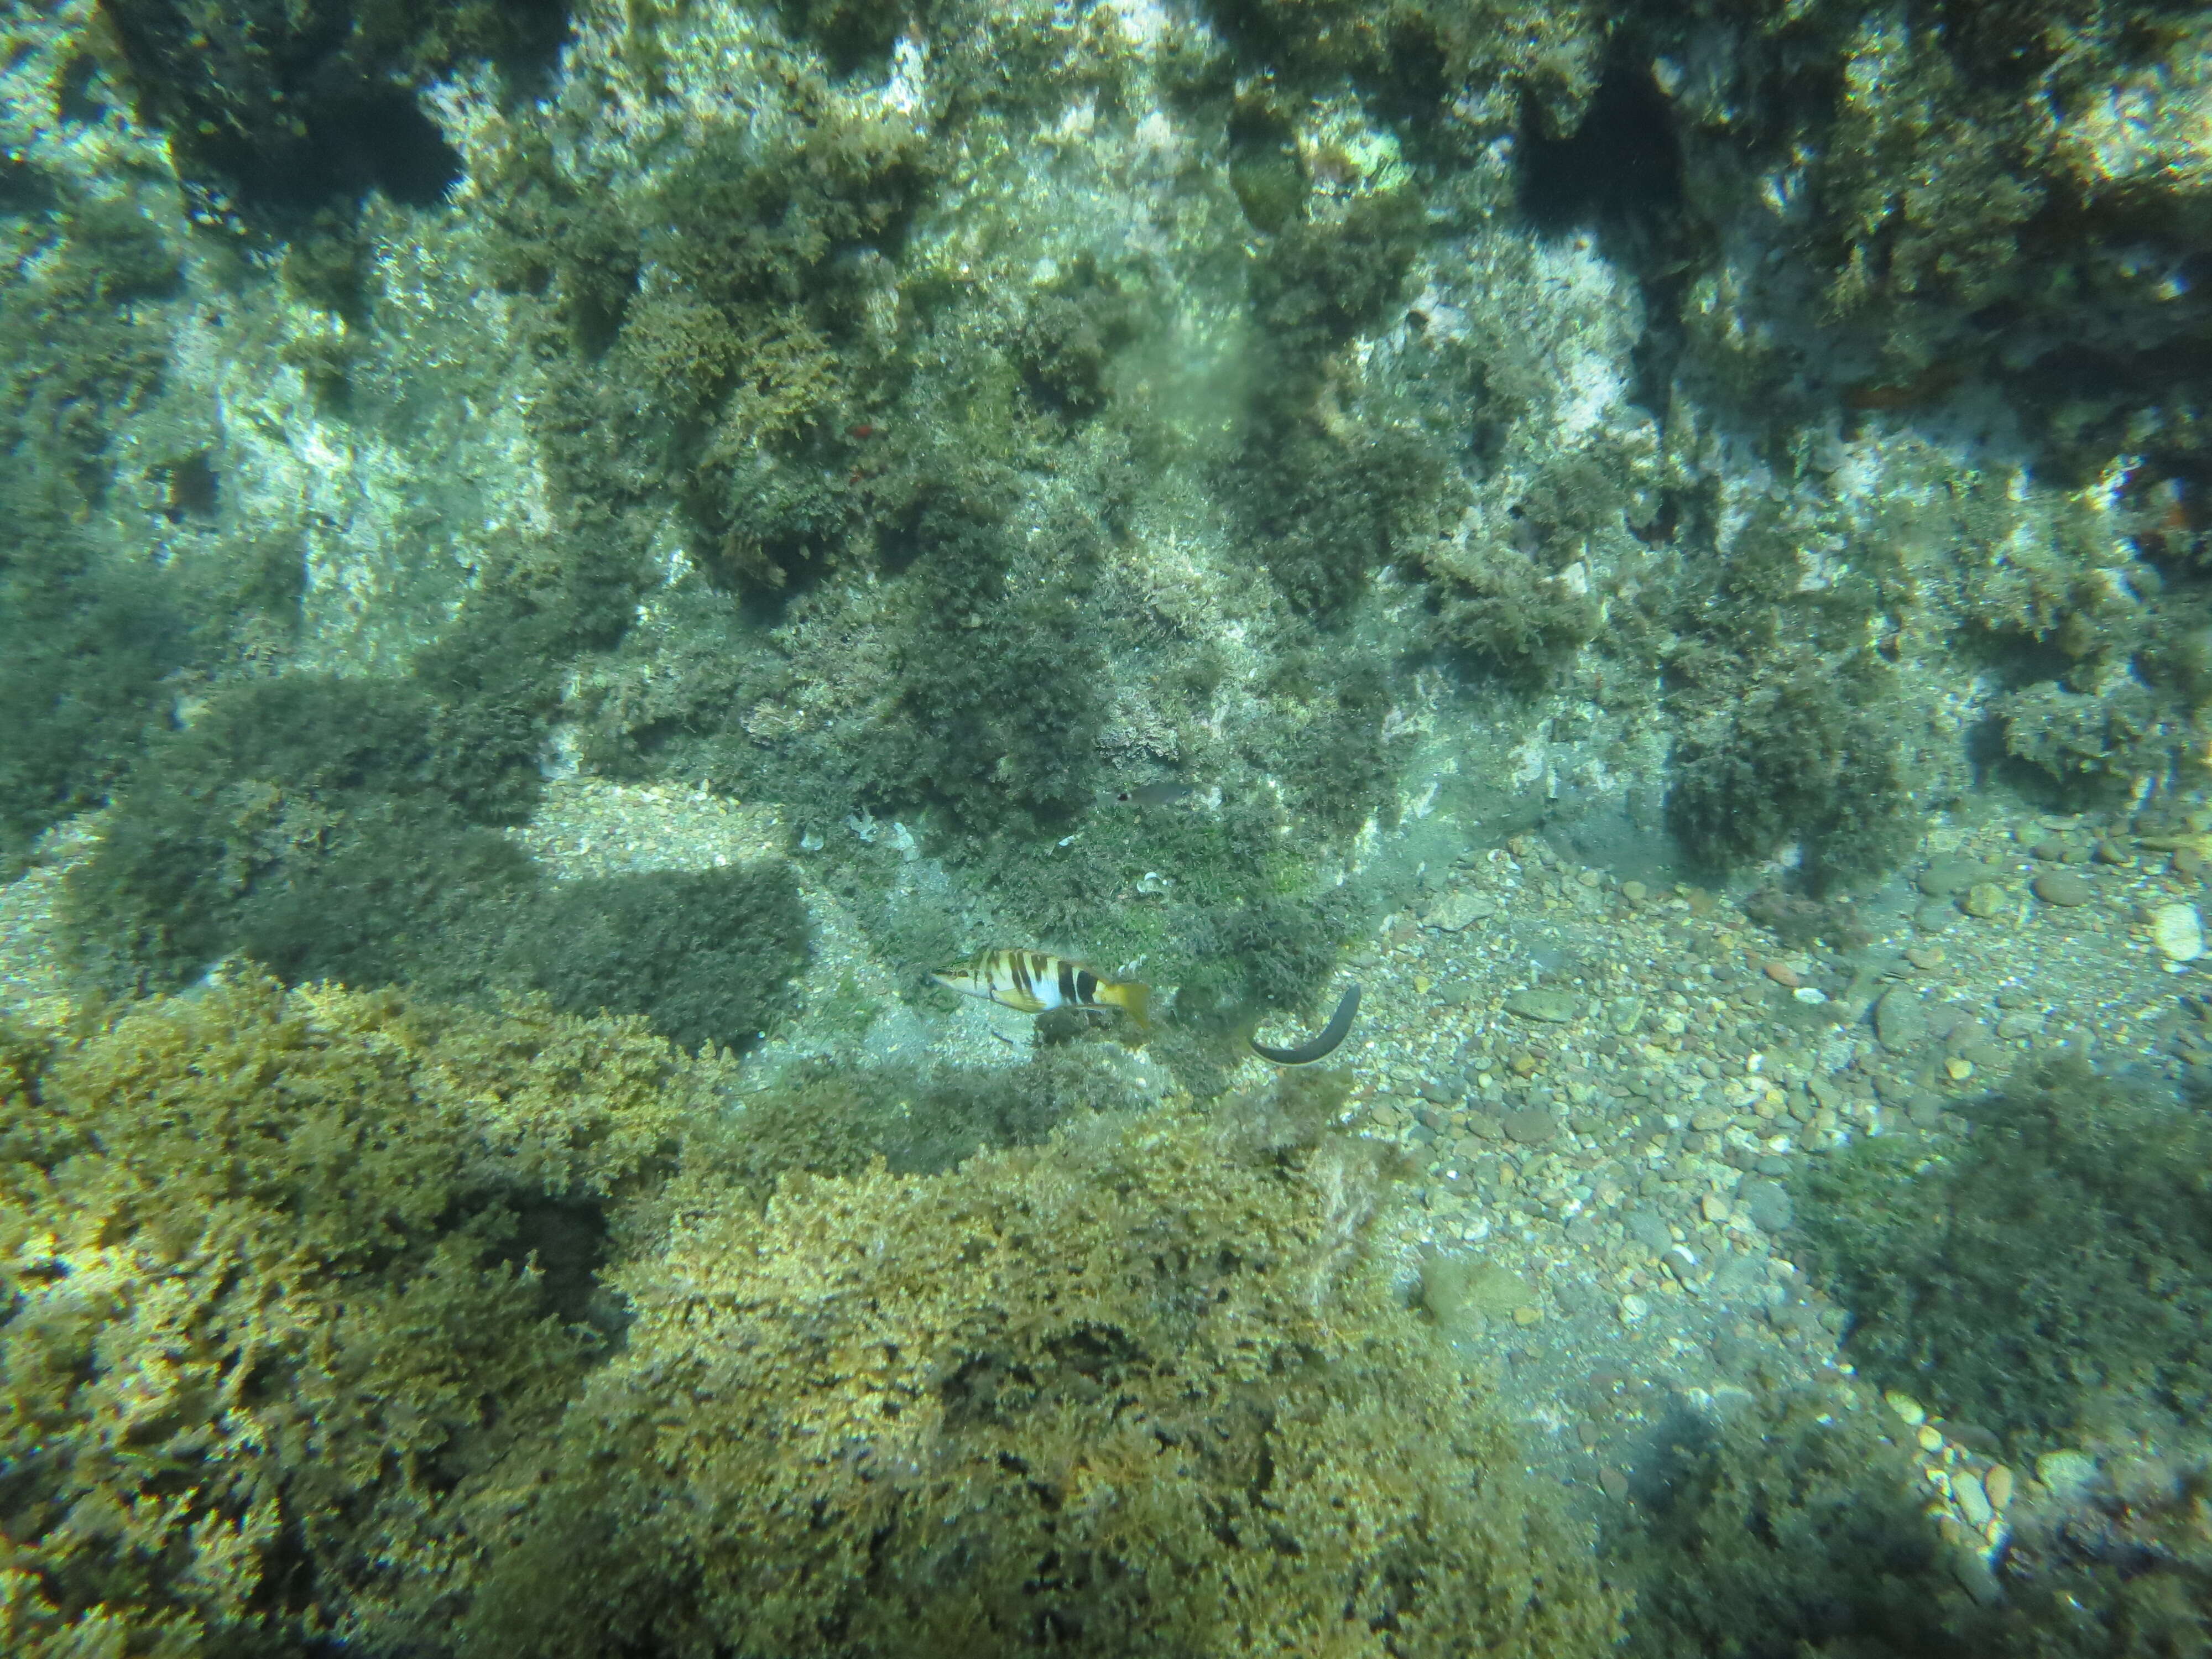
x=1803 y=755
x=282 y=1281
x=1793 y=1528
x=1505 y=611
x=1069 y=337
x=838 y=1120
x=320 y=826
x=85 y=638
x=1137 y=1389
x=2048 y=1277
x=1800 y=1526
x=750 y=339
x=741 y=225
x=705 y=955
x=1326 y=499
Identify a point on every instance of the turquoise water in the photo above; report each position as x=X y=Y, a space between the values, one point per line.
x=565 y=562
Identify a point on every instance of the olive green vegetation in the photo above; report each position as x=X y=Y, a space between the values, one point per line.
x=702 y=955
x=1329 y=501
x=309 y=1302
x=1807 y=757
x=1799 y=1527
x=288 y=1275
x=347 y=830
x=1136 y=1387
x=304 y=822
x=2048 y=1277
x=890 y=558
x=1792 y=1528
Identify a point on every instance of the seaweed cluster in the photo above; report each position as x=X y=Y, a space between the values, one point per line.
x=342 y=830
x=307 y=1332
x=2048 y=1277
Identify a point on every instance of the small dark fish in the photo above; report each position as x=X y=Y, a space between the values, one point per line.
x=1321 y=1048
x=1166 y=793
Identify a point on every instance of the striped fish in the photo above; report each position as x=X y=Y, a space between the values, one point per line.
x=1034 y=983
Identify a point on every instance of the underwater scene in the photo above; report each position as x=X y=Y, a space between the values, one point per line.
x=863 y=829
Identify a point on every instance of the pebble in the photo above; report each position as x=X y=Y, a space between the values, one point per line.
x=1715 y=1207
x=1908 y=1411
x=1768 y=1202
x=1948 y=876
x=1460 y=909
x=1612 y=1482
x=1983 y=899
x=1782 y=974
x=2068 y=1473
x=2178 y=932
x=1996 y=1483
x=2064 y=887
x=1900 y=1021
x=1530 y=1126
x=1925 y=956
x=1552 y=1007
x=1973 y=1503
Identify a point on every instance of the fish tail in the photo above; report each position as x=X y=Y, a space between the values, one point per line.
x=1133 y=997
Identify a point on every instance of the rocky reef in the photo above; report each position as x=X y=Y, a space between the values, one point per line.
x=1171 y=483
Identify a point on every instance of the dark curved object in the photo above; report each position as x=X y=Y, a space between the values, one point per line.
x=1321 y=1048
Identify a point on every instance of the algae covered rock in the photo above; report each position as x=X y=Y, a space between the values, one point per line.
x=1134 y=1390
x=283 y=1276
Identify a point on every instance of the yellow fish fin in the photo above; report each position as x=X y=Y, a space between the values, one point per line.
x=1133 y=997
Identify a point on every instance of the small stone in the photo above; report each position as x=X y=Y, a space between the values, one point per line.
x=1782 y=974
x=1552 y=1007
x=1948 y=876
x=1527 y=1315
x=1612 y=1482
x=1983 y=899
x=1709 y=1119
x=1928 y=1438
x=1977 y=1577
x=1925 y=956
x=1716 y=1208
x=1973 y=1503
x=1809 y=994
x=2068 y=1473
x=1624 y=1014
x=1460 y=909
x=1768 y=1202
x=1907 y=1410
x=1633 y=1308
x=1900 y=1021
x=2052 y=849
x=2064 y=887
x=1421 y=983
x=1958 y=1068
x=2178 y=932
x=1532 y=1125
x=1634 y=892
x=1996 y=1483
